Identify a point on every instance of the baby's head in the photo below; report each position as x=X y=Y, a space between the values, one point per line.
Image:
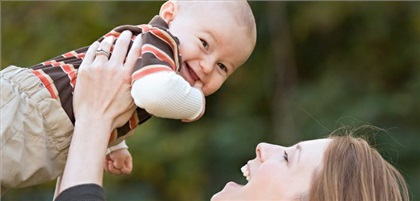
x=216 y=37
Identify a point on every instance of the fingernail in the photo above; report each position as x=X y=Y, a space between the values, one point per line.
x=95 y=43
x=109 y=39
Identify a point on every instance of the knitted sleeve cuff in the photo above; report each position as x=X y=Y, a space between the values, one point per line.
x=121 y=145
x=82 y=192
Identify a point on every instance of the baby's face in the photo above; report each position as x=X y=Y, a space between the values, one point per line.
x=212 y=45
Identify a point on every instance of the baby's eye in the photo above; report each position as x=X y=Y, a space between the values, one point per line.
x=286 y=156
x=205 y=44
x=223 y=67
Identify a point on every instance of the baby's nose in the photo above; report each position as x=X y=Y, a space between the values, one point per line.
x=207 y=65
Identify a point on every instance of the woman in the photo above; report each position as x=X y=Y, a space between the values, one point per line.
x=336 y=168
x=341 y=167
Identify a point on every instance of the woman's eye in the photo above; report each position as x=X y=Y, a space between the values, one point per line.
x=286 y=157
x=204 y=43
x=223 y=67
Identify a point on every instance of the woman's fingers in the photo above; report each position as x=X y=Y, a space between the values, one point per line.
x=133 y=54
x=105 y=80
x=90 y=54
x=119 y=54
x=103 y=52
x=121 y=47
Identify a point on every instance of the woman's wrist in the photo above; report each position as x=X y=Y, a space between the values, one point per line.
x=95 y=122
x=87 y=152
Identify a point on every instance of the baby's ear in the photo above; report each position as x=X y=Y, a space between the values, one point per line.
x=167 y=11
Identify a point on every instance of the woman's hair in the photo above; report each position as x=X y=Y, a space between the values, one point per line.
x=354 y=171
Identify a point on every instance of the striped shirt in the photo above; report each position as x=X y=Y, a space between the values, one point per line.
x=159 y=53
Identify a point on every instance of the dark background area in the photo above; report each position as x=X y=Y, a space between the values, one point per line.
x=317 y=66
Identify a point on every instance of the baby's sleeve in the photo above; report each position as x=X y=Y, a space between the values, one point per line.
x=156 y=85
x=168 y=95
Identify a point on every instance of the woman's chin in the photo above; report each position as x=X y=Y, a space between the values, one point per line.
x=229 y=192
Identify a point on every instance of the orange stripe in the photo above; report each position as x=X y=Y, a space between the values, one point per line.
x=141 y=73
x=133 y=121
x=145 y=28
x=69 y=54
x=113 y=33
x=81 y=55
x=159 y=54
x=171 y=42
x=48 y=62
x=46 y=83
x=163 y=36
x=113 y=135
x=55 y=64
x=71 y=72
x=52 y=63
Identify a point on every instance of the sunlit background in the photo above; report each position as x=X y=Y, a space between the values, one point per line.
x=317 y=66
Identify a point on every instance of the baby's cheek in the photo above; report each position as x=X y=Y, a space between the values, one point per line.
x=208 y=91
x=213 y=86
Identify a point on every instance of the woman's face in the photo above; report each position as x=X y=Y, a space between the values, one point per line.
x=277 y=173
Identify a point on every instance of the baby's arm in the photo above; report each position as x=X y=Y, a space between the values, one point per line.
x=166 y=94
x=118 y=159
x=157 y=87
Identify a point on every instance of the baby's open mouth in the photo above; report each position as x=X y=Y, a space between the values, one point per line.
x=193 y=76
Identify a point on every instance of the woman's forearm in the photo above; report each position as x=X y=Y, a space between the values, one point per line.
x=86 y=154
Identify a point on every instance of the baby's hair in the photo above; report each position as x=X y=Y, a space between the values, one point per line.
x=241 y=11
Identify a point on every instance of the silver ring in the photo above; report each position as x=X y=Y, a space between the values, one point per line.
x=101 y=52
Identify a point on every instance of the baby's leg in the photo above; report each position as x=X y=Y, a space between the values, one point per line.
x=35 y=131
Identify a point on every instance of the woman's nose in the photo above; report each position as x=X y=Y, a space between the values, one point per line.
x=266 y=150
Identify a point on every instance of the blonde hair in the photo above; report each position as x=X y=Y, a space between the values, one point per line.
x=355 y=171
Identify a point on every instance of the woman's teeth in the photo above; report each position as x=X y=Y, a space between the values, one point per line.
x=245 y=172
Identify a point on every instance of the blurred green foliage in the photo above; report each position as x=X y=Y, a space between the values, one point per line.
x=317 y=66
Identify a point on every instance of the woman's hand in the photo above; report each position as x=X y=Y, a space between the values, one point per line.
x=101 y=101
x=103 y=86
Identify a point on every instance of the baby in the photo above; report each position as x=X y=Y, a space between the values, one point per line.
x=188 y=52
